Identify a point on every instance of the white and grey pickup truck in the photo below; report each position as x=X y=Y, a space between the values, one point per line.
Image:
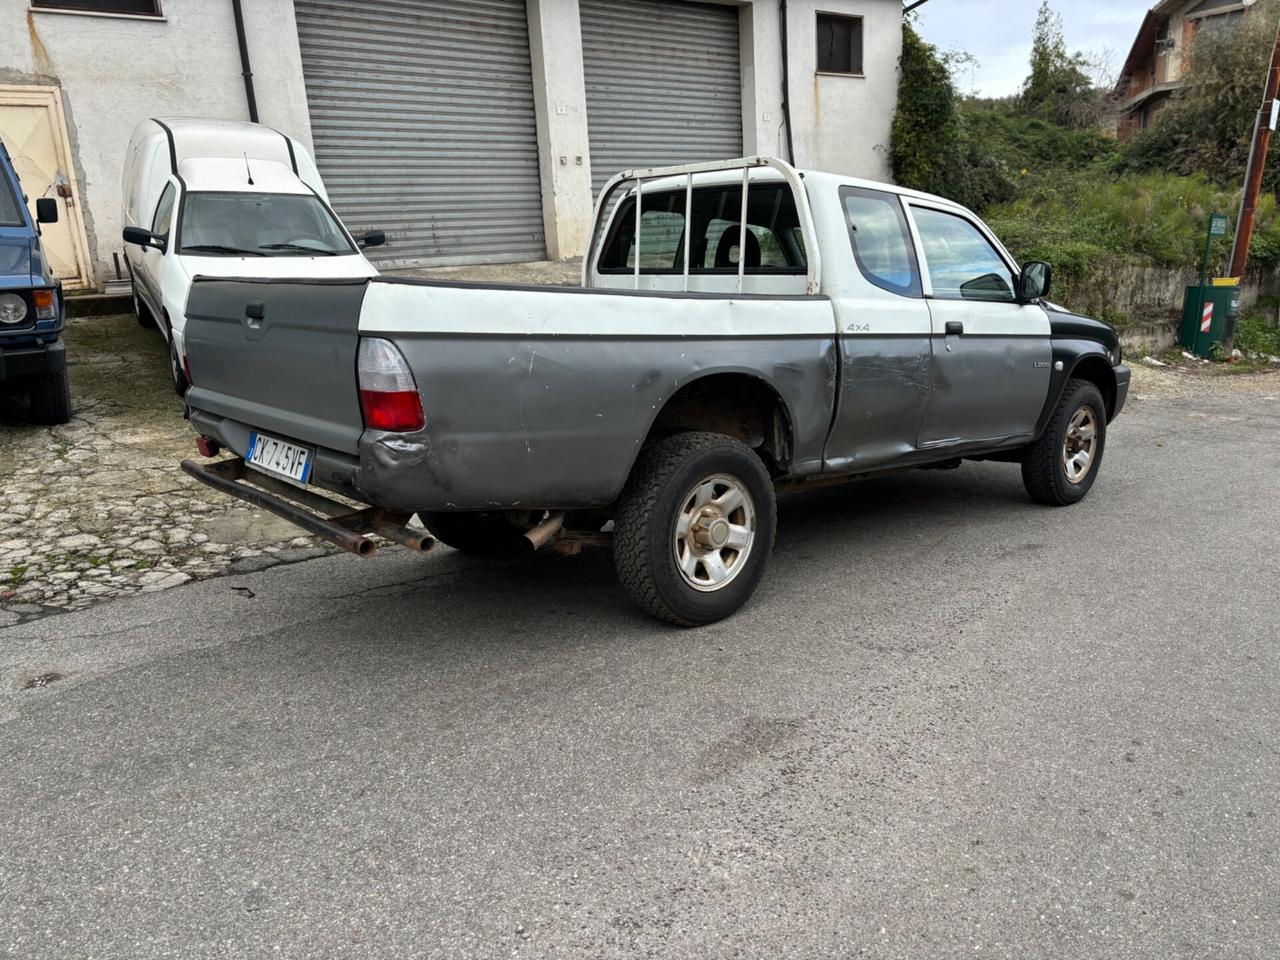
x=742 y=328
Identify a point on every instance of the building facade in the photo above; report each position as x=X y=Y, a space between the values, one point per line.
x=1156 y=64
x=471 y=131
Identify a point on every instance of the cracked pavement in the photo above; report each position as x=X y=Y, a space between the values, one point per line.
x=98 y=508
x=952 y=723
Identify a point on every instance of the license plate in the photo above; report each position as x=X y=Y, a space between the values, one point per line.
x=279 y=457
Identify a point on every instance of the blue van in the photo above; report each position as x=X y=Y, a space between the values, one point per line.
x=32 y=356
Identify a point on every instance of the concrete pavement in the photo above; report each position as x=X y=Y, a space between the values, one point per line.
x=951 y=724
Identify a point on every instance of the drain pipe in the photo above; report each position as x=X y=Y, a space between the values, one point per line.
x=244 y=61
x=786 y=83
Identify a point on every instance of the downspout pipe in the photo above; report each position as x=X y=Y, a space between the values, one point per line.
x=786 y=82
x=244 y=61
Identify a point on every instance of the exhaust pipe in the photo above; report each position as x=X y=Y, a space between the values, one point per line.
x=545 y=532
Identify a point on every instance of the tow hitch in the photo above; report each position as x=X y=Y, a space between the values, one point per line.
x=316 y=514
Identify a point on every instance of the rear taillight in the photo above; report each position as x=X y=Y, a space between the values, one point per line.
x=388 y=396
x=44 y=301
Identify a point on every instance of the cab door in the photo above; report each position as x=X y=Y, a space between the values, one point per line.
x=991 y=354
x=150 y=261
x=884 y=332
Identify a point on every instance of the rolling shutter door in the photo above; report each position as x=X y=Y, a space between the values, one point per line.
x=663 y=83
x=423 y=121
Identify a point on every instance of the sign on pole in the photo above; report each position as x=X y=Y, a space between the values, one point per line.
x=1218 y=224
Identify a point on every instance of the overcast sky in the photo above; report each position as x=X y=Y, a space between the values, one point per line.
x=998 y=34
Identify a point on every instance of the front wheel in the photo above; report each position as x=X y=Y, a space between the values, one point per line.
x=694 y=528
x=51 y=398
x=1060 y=467
x=177 y=374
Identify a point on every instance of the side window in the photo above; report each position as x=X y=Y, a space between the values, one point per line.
x=881 y=240
x=962 y=264
x=774 y=238
x=161 y=222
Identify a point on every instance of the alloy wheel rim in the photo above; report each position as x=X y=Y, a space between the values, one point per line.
x=715 y=531
x=1080 y=446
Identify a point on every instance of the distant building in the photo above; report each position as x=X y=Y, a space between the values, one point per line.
x=471 y=131
x=1156 y=65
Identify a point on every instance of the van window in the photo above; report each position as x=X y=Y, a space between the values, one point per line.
x=881 y=240
x=163 y=219
x=774 y=242
x=10 y=212
x=262 y=225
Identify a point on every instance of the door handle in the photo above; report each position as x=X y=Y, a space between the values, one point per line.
x=955 y=328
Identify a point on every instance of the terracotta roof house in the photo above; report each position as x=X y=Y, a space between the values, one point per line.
x=1156 y=65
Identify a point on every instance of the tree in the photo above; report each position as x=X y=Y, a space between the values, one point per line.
x=1058 y=88
x=932 y=147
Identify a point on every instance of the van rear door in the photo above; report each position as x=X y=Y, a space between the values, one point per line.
x=278 y=355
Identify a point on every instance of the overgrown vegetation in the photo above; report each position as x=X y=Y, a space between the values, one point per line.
x=1057 y=186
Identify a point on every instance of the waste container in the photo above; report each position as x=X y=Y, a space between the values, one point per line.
x=1206 y=314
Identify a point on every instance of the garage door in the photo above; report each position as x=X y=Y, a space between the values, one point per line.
x=422 y=116
x=663 y=83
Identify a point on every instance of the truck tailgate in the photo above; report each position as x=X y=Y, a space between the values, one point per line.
x=279 y=355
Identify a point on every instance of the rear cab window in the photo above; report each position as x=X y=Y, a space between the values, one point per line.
x=881 y=239
x=774 y=244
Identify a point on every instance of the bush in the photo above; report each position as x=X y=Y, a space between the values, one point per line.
x=1255 y=334
x=1075 y=219
x=932 y=148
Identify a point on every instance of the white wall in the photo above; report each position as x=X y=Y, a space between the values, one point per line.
x=841 y=124
x=114 y=71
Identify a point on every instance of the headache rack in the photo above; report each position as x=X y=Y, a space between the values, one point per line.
x=636 y=178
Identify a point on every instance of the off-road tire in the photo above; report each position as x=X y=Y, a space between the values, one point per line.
x=1043 y=471
x=644 y=526
x=477 y=534
x=51 y=398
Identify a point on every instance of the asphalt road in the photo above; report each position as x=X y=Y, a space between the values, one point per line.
x=951 y=724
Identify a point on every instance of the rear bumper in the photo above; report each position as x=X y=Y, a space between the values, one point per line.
x=32 y=360
x=1123 y=376
x=317 y=515
x=334 y=471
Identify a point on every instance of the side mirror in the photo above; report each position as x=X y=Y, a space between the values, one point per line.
x=46 y=210
x=1037 y=276
x=143 y=238
x=374 y=238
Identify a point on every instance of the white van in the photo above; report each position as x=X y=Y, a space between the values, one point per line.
x=224 y=198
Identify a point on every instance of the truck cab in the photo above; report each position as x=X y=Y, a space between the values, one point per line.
x=32 y=355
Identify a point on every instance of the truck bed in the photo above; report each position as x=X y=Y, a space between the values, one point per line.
x=536 y=397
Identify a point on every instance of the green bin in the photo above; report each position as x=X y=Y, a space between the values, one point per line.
x=1206 y=314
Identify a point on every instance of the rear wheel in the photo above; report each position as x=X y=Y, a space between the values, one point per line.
x=477 y=534
x=51 y=398
x=1060 y=468
x=694 y=528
